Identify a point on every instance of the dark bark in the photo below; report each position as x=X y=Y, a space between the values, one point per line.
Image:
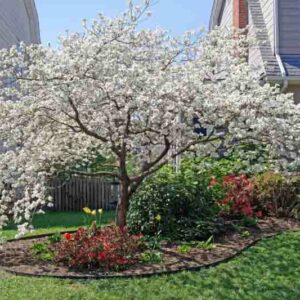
x=123 y=204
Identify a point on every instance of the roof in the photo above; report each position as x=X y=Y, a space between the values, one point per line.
x=272 y=69
x=33 y=20
x=291 y=64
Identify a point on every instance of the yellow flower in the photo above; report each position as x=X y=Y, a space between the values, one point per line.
x=93 y=213
x=100 y=211
x=86 y=210
x=158 y=218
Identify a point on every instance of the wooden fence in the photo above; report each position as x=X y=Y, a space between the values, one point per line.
x=82 y=192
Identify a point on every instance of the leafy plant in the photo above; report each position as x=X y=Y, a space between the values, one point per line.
x=54 y=238
x=239 y=198
x=153 y=241
x=206 y=245
x=151 y=256
x=39 y=248
x=245 y=234
x=278 y=194
x=42 y=251
x=238 y=227
x=47 y=256
x=103 y=248
x=239 y=159
x=249 y=222
x=184 y=201
x=185 y=248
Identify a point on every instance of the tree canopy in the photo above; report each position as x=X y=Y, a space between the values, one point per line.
x=127 y=92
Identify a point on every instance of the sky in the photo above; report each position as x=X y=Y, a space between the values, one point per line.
x=177 y=16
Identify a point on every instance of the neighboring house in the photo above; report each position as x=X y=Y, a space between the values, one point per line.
x=278 y=32
x=18 y=22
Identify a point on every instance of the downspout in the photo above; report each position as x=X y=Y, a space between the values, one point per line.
x=276 y=47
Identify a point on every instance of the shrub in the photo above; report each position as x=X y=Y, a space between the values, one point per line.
x=185 y=203
x=241 y=159
x=278 y=194
x=109 y=248
x=239 y=198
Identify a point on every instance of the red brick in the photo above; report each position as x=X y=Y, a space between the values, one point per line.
x=240 y=14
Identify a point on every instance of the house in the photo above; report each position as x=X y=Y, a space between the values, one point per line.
x=276 y=24
x=18 y=22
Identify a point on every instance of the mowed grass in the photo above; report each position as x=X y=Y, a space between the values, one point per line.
x=58 y=221
x=270 y=270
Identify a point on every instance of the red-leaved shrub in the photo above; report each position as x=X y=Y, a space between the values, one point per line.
x=109 y=248
x=239 y=199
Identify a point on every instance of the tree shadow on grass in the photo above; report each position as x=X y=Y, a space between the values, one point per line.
x=270 y=270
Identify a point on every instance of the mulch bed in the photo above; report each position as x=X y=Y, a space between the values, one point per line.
x=16 y=257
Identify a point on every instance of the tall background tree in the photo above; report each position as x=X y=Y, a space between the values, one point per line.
x=131 y=94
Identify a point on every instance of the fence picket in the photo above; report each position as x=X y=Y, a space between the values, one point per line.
x=82 y=191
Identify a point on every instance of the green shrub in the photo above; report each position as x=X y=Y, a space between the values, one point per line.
x=278 y=194
x=247 y=159
x=185 y=202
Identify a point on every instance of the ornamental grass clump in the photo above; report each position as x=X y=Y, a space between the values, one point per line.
x=108 y=249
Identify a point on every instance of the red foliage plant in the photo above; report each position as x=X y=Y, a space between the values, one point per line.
x=239 y=200
x=109 y=248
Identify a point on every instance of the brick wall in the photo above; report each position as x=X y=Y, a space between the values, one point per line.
x=240 y=13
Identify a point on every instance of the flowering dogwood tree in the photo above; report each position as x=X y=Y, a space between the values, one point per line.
x=131 y=94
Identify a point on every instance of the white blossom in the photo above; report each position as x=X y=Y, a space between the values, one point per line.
x=121 y=91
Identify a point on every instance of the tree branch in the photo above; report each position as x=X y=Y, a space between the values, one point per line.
x=96 y=174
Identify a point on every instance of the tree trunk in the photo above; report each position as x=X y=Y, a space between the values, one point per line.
x=122 y=206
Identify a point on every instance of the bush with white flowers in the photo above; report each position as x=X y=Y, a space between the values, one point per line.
x=126 y=92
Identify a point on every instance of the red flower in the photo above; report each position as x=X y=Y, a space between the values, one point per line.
x=92 y=255
x=68 y=236
x=106 y=247
x=102 y=255
x=239 y=195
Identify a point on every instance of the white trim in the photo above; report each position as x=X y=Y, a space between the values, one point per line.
x=215 y=13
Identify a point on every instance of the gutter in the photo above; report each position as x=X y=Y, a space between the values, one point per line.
x=276 y=47
x=215 y=13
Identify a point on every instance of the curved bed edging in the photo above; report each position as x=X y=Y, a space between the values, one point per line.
x=150 y=274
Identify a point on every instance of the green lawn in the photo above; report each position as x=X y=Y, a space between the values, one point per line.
x=270 y=270
x=58 y=221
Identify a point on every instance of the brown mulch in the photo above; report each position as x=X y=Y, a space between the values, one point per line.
x=16 y=257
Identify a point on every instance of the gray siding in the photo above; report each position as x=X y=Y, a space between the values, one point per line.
x=18 y=22
x=226 y=19
x=289 y=26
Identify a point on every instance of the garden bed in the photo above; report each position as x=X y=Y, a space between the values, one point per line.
x=16 y=256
